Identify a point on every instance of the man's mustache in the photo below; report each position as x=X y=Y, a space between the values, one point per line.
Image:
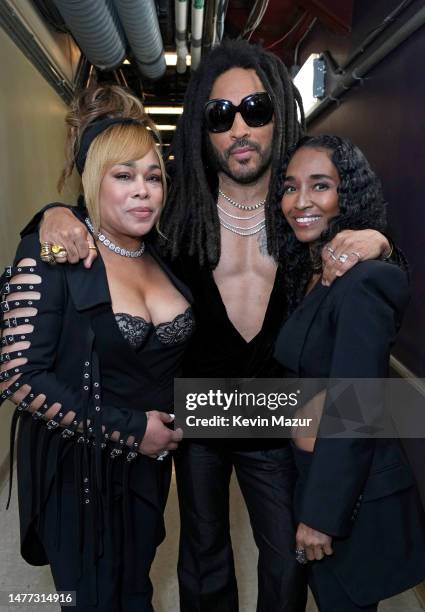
x=241 y=143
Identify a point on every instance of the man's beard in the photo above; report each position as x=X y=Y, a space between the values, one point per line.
x=220 y=161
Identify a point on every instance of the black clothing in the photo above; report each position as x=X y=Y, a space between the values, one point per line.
x=328 y=593
x=229 y=355
x=360 y=491
x=206 y=567
x=137 y=331
x=264 y=468
x=79 y=358
x=218 y=350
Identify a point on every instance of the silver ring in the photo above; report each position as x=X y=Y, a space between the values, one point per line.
x=357 y=254
x=162 y=455
x=343 y=258
x=330 y=249
x=300 y=556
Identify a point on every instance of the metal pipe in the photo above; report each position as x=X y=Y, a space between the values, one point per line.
x=140 y=21
x=360 y=69
x=97 y=30
x=197 y=26
x=181 y=11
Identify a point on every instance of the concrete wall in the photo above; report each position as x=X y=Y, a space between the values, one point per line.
x=32 y=133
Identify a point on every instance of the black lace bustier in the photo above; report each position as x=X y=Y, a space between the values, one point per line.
x=137 y=330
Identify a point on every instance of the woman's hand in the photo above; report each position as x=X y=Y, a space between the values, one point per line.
x=59 y=226
x=158 y=437
x=315 y=543
x=348 y=248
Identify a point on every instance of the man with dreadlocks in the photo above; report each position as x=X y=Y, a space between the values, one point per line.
x=240 y=117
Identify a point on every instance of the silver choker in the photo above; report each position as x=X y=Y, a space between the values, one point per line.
x=113 y=247
x=241 y=206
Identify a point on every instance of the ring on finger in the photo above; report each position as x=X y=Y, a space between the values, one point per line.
x=161 y=456
x=330 y=249
x=356 y=254
x=300 y=556
x=343 y=258
x=46 y=254
x=92 y=248
x=57 y=249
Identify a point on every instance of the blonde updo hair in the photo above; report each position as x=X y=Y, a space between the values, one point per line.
x=119 y=143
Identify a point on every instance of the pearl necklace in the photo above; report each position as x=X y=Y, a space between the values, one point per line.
x=241 y=206
x=113 y=247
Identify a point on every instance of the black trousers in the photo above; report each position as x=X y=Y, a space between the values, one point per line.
x=101 y=585
x=206 y=567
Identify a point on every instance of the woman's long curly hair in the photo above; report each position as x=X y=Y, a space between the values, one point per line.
x=361 y=206
x=190 y=219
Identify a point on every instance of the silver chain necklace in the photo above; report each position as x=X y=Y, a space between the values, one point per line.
x=242 y=206
x=260 y=212
x=113 y=247
x=243 y=231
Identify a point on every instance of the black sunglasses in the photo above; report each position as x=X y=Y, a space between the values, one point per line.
x=256 y=110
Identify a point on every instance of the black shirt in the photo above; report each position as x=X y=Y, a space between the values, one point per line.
x=217 y=349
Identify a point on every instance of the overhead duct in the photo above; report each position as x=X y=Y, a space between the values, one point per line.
x=197 y=25
x=97 y=30
x=181 y=11
x=140 y=22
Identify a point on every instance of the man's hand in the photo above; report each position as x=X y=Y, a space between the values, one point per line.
x=158 y=437
x=348 y=248
x=59 y=226
x=315 y=543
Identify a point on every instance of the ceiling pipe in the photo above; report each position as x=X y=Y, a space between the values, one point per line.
x=181 y=12
x=197 y=26
x=140 y=22
x=362 y=67
x=97 y=30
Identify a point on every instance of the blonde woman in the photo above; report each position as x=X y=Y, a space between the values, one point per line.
x=91 y=356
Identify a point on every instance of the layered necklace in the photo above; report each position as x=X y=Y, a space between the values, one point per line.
x=224 y=216
x=114 y=247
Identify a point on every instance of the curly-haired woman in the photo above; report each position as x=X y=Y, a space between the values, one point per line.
x=360 y=524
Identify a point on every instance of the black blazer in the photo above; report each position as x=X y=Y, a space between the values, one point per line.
x=360 y=491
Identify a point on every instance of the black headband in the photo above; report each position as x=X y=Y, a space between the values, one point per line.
x=90 y=133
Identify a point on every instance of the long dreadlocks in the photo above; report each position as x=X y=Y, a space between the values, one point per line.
x=190 y=219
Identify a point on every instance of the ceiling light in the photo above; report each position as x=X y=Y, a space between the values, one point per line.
x=165 y=128
x=310 y=82
x=171 y=59
x=164 y=110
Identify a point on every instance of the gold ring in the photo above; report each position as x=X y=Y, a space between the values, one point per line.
x=57 y=249
x=92 y=248
x=46 y=254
